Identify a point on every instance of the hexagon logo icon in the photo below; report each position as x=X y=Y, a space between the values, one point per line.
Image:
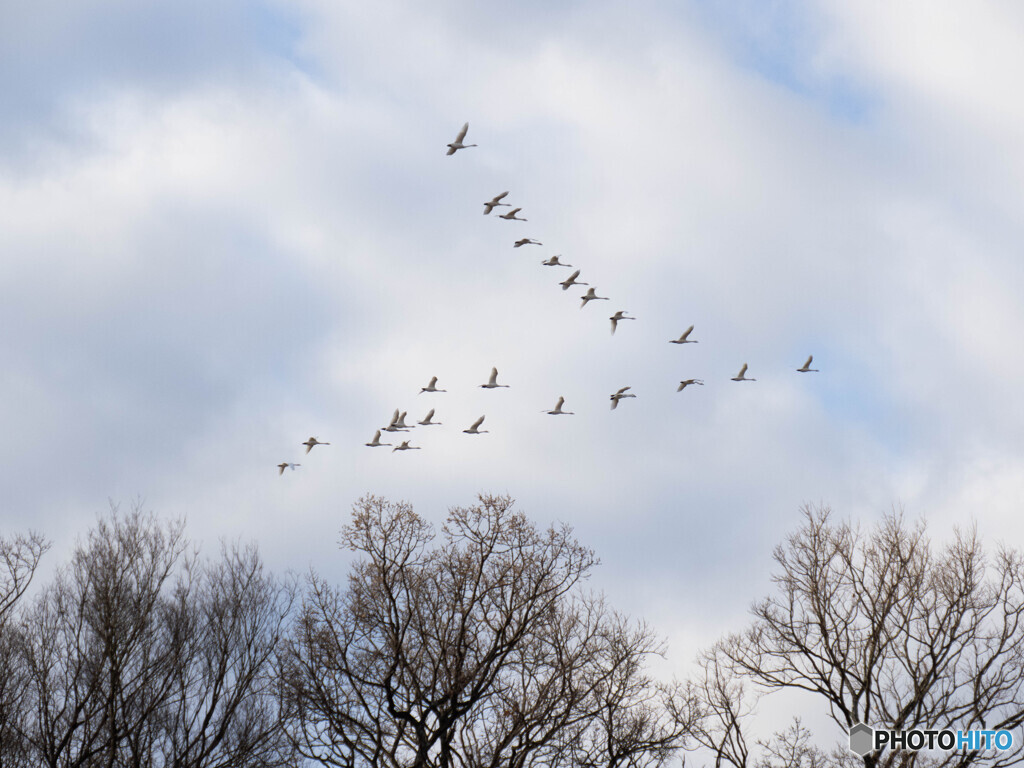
x=862 y=738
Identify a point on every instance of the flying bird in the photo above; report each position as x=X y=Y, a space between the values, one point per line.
x=511 y=215
x=554 y=262
x=807 y=366
x=311 y=442
x=618 y=396
x=740 y=377
x=492 y=383
x=620 y=315
x=475 y=429
x=427 y=420
x=431 y=387
x=376 y=443
x=526 y=241
x=405 y=447
x=393 y=426
x=456 y=145
x=488 y=207
x=684 y=338
x=285 y=465
x=401 y=421
x=687 y=382
x=591 y=295
x=558 y=409
x=571 y=281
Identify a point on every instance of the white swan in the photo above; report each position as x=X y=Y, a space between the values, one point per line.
x=405 y=447
x=456 y=145
x=427 y=420
x=431 y=387
x=683 y=339
x=492 y=383
x=558 y=409
x=571 y=281
x=687 y=382
x=376 y=443
x=393 y=426
x=527 y=241
x=591 y=295
x=511 y=215
x=488 y=207
x=285 y=465
x=475 y=429
x=618 y=396
x=554 y=262
x=620 y=315
x=311 y=442
x=740 y=377
x=807 y=366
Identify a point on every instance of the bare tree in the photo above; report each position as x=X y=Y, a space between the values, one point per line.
x=889 y=631
x=138 y=654
x=221 y=708
x=470 y=652
x=98 y=657
x=793 y=748
x=630 y=720
x=726 y=703
x=19 y=559
x=579 y=695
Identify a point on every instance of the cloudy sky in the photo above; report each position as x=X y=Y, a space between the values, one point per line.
x=226 y=226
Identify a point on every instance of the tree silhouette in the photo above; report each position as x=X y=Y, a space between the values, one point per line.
x=886 y=629
x=141 y=654
x=472 y=648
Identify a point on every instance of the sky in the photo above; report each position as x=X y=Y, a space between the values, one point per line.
x=227 y=226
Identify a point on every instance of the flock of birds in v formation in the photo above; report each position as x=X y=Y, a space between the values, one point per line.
x=398 y=424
